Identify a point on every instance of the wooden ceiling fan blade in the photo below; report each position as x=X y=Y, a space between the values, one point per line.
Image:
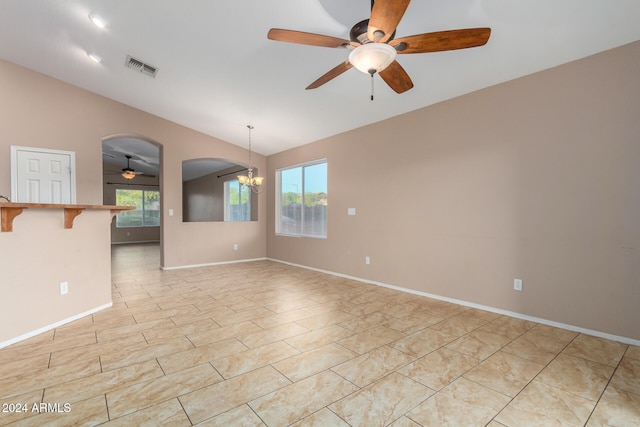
x=442 y=40
x=309 y=39
x=396 y=77
x=385 y=17
x=331 y=74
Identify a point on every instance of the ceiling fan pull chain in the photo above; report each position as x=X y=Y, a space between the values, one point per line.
x=372 y=86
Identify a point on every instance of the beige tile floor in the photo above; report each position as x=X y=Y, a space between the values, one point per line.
x=264 y=343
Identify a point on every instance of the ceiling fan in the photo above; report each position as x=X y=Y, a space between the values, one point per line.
x=374 y=47
x=127 y=172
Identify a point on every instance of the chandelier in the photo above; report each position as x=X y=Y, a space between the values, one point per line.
x=252 y=182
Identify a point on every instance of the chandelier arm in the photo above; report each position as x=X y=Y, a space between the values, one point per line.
x=255 y=184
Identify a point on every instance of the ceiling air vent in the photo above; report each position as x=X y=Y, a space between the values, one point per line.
x=137 y=65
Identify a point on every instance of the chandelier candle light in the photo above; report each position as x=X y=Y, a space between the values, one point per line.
x=248 y=180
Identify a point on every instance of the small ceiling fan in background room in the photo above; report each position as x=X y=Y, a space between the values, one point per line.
x=128 y=172
x=374 y=47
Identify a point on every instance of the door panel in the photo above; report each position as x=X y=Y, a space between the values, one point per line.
x=43 y=176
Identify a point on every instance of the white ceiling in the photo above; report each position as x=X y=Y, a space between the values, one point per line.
x=218 y=71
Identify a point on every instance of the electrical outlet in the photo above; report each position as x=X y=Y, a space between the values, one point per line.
x=517 y=284
x=235 y=246
x=64 y=288
x=367 y=260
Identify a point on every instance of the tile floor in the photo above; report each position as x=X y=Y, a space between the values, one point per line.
x=264 y=343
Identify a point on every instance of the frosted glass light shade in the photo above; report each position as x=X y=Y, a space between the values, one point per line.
x=250 y=180
x=128 y=174
x=372 y=58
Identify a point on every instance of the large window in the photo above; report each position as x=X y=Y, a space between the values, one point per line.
x=302 y=200
x=237 y=201
x=146 y=213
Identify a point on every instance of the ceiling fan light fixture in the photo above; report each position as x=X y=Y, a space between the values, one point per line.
x=371 y=58
x=128 y=174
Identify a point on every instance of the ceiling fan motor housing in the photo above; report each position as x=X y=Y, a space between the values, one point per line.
x=358 y=33
x=128 y=168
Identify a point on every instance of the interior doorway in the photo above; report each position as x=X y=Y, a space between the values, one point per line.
x=131 y=176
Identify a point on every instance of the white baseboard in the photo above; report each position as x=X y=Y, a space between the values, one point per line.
x=573 y=328
x=180 y=267
x=53 y=326
x=135 y=242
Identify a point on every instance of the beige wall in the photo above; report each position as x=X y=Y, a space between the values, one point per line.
x=38 y=111
x=38 y=255
x=537 y=179
x=203 y=199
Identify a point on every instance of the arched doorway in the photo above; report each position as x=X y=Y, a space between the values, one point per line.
x=132 y=168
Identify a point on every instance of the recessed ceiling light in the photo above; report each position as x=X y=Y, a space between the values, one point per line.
x=95 y=57
x=99 y=21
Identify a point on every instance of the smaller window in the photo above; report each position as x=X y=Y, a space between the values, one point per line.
x=146 y=213
x=237 y=201
x=301 y=200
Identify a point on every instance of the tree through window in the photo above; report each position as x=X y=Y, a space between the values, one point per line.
x=146 y=213
x=237 y=201
x=302 y=200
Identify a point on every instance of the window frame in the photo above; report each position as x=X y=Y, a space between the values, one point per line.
x=143 y=210
x=278 y=197
x=227 y=206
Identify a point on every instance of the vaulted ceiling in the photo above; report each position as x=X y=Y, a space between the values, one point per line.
x=218 y=72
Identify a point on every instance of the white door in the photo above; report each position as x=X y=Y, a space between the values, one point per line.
x=42 y=176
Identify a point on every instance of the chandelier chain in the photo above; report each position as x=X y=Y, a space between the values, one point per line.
x=250 y=128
